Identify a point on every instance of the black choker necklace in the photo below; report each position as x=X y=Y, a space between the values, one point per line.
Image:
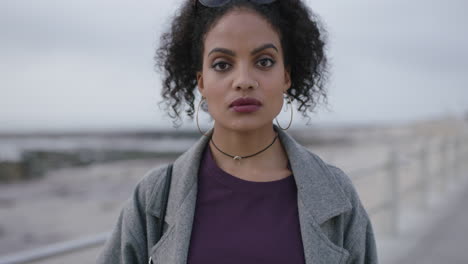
x=243 y=157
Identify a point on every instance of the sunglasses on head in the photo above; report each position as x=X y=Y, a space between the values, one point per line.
x=219 y=3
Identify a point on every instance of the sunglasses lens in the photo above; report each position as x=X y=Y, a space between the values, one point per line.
x=213 y=3
x=218 y=3
x=263 y=2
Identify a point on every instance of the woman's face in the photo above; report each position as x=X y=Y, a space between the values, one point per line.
x=243 y=76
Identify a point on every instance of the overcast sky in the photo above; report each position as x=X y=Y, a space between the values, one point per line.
x=88 y=64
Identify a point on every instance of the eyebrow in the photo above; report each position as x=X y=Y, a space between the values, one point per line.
x=263 y=47
x=253 y=52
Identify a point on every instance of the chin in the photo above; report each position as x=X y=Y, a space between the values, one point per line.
x=248 y=125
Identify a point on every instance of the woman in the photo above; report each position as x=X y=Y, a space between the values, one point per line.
x=246 y=192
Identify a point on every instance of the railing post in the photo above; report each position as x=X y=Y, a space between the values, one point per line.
x=464 y=158
x=443 y=166
x=425 y=178
x=453 y=160
x=394 y=193
x=459 y=158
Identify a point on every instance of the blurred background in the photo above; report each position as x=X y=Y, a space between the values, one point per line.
x=80 y=122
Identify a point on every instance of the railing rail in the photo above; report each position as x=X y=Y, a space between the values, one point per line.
x=55 y=249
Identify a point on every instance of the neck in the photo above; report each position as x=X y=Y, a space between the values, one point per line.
x=262 y=167
x=243 y=143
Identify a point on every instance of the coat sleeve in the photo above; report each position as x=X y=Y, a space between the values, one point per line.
x=363 y=250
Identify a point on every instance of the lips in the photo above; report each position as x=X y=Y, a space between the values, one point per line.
x=245 y=105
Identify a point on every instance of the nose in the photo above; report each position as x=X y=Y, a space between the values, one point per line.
x=244 y=80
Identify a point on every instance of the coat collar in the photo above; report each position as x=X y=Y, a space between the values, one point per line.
x=317 y=187
x=319 y=199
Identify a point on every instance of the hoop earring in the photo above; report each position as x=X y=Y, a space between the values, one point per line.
x=292 y=110
x=196 y=117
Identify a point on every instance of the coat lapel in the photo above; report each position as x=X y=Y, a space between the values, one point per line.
x=174 y=244
x=319 y=199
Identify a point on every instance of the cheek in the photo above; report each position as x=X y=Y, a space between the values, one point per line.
x=274 y=86
x=214 y=94
x=275 y=100
x=279 y=102
x=276 y=96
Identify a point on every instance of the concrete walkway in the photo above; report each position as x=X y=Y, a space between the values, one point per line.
x=446 y=242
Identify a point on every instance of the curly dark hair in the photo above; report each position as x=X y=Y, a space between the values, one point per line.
x=302 y=38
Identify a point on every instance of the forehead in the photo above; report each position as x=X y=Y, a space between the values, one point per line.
x=239 y=30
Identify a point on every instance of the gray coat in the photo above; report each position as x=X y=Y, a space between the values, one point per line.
x=335 y=228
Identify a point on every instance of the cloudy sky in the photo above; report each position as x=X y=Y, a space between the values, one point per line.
x=67 y=65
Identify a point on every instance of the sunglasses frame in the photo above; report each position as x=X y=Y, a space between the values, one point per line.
x=225 y=2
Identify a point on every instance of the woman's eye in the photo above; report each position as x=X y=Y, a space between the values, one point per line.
x=220 y=66
x=266 y=62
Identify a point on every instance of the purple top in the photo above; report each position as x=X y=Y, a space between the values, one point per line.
x=239 y=221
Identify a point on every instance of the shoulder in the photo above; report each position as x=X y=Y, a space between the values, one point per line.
x=144 y=193
x=345 y=183
x=357 y=219
x=152 y=178
x=128 y=241
x=359 y=238
x=328 y=186
x=149 y=185
x=338 y=177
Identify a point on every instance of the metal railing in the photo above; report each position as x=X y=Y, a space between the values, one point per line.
x=450 y=168
x=453 y=162
x=55 y=249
